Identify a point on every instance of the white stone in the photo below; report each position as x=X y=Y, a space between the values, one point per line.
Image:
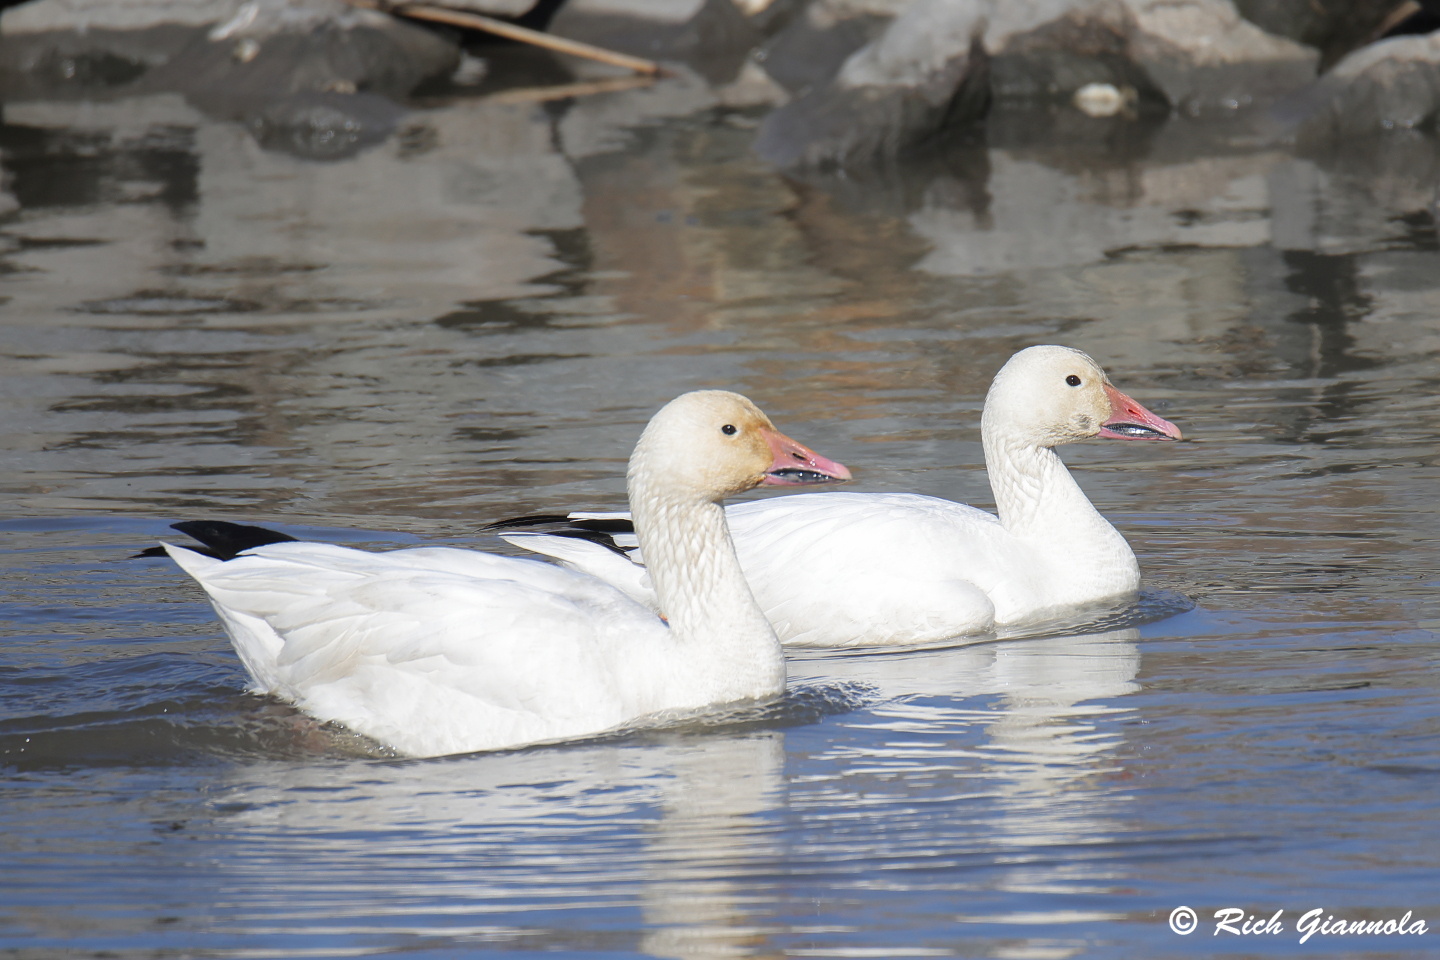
x=1099 y=100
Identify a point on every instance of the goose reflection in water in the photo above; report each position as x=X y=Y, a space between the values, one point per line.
x=983 y=754
x=998 y=755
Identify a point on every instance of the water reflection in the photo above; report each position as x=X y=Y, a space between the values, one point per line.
x=207 y=201
x=713 y=836
x=693 y=829
x=976 y=769
x=580 y=253
x=525 y=849
x=67 y=167
x=1036 y=687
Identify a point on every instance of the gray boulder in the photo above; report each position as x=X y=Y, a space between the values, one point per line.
x=943 y=62
x=1206 y=58
x=1084 y=48
x=256 y=61
x=842 y=126
x=1392 y=85
x=1334 y=27
x=1199 y=55
x=493 y=8
x=814 y=43
x=894 y=94
x=712 y=37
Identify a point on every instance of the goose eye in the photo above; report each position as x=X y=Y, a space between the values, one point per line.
x=1073 y=380
x=728 y=429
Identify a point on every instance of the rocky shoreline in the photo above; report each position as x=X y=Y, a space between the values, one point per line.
x=850 y=82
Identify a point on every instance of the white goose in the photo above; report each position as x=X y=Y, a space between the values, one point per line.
x=437 y=650
x=851 y=569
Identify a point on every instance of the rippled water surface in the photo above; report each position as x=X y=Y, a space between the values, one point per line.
x=474 y=319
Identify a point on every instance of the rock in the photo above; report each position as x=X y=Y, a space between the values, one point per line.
x=889 y=97
x=711 y=36
x=314 y=46
x=753 y=87
x=1390 y=85
x=1197 y=56
x=1206 y=58
x=1085 y=47
x=82 y=16
x=1334 y=27
x=493 y=8
x=81 y=48
x=40 y=16
x=1412 y=17
x=1104 y=99
x=234 y=60
x=813 y=45
x=846 y=125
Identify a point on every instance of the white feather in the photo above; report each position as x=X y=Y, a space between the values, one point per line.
x=438 y=650
x=848 y=569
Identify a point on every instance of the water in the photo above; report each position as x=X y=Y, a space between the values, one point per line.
x=473 y=320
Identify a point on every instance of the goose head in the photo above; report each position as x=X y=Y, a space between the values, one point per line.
x=1045 y=396
x=712 y=444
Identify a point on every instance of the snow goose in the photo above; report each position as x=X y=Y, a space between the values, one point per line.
x=852 y=569
x=438 y=650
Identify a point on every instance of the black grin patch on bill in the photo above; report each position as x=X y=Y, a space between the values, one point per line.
x=1135 y=431
x=796 y=475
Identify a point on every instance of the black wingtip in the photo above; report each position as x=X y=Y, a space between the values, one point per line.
x=567 y=526
x=222 y=540
x=594 y=536
x=535 y=520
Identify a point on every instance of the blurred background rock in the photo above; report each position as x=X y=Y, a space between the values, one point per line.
x=850 y=81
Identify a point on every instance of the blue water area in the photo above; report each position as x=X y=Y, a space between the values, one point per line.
x=1054 y=795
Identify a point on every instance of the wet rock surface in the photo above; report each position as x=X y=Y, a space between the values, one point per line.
x=1391 y=85
x=711 y=36
x=1334 y=27
x=1205 y=57
x=263 y=62
x=812 y=46
x=1196 y=56
x=1050 y=63
x=851 y=82
x=843 y=125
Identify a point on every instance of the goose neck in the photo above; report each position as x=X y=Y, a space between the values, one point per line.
x=1034 y=493
x=701 y=589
